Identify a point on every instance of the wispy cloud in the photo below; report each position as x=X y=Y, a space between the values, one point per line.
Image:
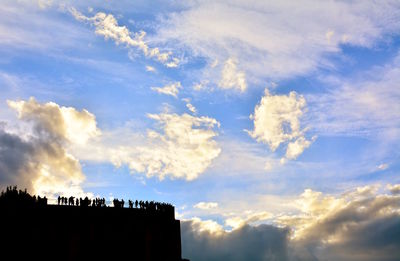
x=189 y=105
x=107 y=26
x=25 y=27
x=206 y=205
x=150 y=68
x=231 y=78
x=169 y=89
x=268 y=45
x=362 y=105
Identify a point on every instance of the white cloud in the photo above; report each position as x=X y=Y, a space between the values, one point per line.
x=189 y=105
x=150 y=68
x=329 y=35
x=38 y=158
x=231 y=78
x=46 y=161
x=200 y=86
x=182 y=147
x=323 y=216
x=394 y=189
x=206 y=205
x=43 y=4
x=169 y=89
x=62 y=122
x=107 y=26
x=383 y=166
x=366 y=104
x=191 y=108
x=206 y=226
x=266 y=43
x=248 y=217
x=294 y=149
x=23 y=26
x=277 y=120
x=356 y=225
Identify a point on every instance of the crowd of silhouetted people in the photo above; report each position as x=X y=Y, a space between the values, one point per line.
x=13 y=196
x=147 y=205
x=101 y=202
x=86 y=202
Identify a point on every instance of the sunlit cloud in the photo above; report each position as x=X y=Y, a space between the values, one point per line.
x=383 y=166
x=394 y=189
x=231 y=78
x=183 y=149
x=340 y=227
x=150 y=68
x=107 y=26
x=206 y=226
x=365 y=105
x=277 y=120
x=169 y=89
x=189 y=106
x=266 y=43
x=182 y=146
x=43 y=4
x=248 y=217
x=206 y=205
x=38 y=158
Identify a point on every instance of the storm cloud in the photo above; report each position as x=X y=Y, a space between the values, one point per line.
x=250 y=243
x=361 y=224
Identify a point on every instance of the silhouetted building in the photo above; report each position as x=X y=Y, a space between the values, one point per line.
x=33 y=230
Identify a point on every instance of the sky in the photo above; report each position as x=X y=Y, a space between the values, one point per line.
x=273 y=127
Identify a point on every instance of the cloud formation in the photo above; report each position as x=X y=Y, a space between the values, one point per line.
x=247 y=243
x=206 y=205
x=356 y=225
x=107 y=26
x=394 y=189
x=267 y=44
x=150 y=68
x=184 y=147
x=169 y=89
x=246 y=218
x=360 y=224
x=36 y=158
x=277 y=120
x=362 y=105
x=231 y=78
x=180 y=146
x=189 y=106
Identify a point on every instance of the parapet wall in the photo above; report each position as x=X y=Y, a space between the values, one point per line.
x=52 y=232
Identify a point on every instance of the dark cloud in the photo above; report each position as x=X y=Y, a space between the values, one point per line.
x=377 y=239
x=16 y=161
x=366 y=228
x=361 y=225
x=249 y=243
x=37 y=158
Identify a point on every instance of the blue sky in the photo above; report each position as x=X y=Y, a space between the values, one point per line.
x=230 y=111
